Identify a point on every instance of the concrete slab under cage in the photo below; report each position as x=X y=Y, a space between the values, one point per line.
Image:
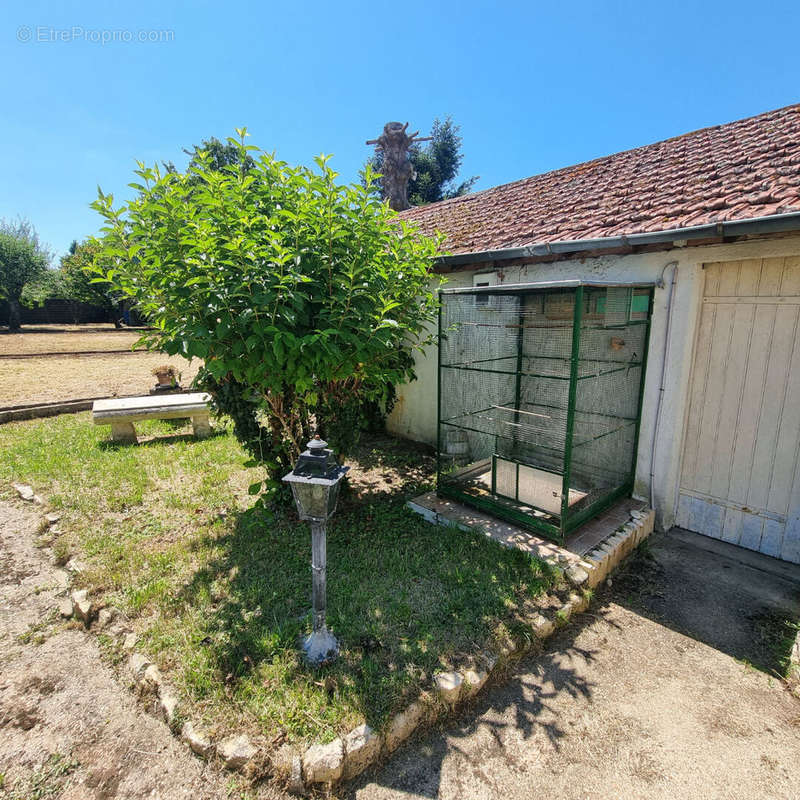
x=597 y=547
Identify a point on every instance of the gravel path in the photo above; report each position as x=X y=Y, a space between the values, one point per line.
x=68 y=727
x=618 y=706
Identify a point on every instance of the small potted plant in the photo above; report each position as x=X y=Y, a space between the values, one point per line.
x=167 y=377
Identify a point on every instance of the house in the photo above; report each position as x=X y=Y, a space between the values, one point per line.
x=711 y=220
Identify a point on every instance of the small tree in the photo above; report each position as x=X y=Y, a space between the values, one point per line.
x=22 y=260
x=304 y=297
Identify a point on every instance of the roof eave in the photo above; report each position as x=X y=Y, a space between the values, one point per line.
x=776 y=223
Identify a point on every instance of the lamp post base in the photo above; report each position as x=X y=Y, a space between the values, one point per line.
x=320 y=647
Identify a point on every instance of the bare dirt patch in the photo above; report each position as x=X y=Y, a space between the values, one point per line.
x=68 y=727
x=749 y=609
x=47 y=364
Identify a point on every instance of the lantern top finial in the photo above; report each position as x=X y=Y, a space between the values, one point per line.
x=317 y=444
x=317 y=461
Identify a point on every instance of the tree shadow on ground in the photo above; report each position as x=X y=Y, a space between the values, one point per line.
x=405 y=599
x=739 y=608
x=77 y=329
x=521 y=702
x=387 y=467
x=158 y=440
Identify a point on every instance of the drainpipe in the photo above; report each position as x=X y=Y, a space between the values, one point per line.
x=657 y=423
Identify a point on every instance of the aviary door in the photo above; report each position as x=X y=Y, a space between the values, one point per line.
x=739 y=478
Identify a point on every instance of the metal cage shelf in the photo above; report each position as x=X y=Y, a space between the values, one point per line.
x=540 y=391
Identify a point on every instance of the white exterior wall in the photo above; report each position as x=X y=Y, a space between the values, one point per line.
x=414 y=416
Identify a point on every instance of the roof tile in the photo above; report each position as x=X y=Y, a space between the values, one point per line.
x=749 y=168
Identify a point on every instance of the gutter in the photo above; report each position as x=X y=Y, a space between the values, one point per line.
x=776 y=223
x=569 y=283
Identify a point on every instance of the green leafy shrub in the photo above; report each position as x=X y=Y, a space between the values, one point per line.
x=305 y=298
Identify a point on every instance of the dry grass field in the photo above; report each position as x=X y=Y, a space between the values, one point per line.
x=57 y=378
x=66 y=339
x=74 y=374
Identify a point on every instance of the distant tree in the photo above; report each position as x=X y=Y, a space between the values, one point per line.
x=219 y=156
x=436 y=165
x=23 y=259
x=49 y=285
x=80 y=279
x=74 y=282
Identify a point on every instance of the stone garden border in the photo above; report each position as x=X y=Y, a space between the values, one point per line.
x=41 y=410
x=326 y=764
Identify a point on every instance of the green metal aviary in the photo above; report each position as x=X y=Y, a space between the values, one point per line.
x=540 y=393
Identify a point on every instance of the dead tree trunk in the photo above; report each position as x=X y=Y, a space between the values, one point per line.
x=397 y=170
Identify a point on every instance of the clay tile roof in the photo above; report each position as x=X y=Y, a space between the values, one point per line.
x=745 y=169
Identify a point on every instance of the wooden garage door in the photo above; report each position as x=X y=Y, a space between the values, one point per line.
x=739 y=478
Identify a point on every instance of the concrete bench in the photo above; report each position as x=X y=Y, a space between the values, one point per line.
x=122 y=412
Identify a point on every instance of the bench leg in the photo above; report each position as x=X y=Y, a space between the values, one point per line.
x=123 y=432
x=200 y=426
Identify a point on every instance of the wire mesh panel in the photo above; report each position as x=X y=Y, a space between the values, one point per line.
x=539 y=399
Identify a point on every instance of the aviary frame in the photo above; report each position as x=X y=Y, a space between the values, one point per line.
x=539 y=399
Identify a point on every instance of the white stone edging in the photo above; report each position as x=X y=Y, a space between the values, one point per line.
x=346 y=757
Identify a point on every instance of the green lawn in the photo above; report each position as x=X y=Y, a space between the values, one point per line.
x=219 y=592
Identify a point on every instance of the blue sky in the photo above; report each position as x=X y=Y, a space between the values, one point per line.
x=534 y=86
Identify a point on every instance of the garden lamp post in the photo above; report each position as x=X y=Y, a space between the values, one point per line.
x=315 y=486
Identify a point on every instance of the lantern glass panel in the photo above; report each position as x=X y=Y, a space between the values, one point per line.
x=333 y=497
x=311 y=499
